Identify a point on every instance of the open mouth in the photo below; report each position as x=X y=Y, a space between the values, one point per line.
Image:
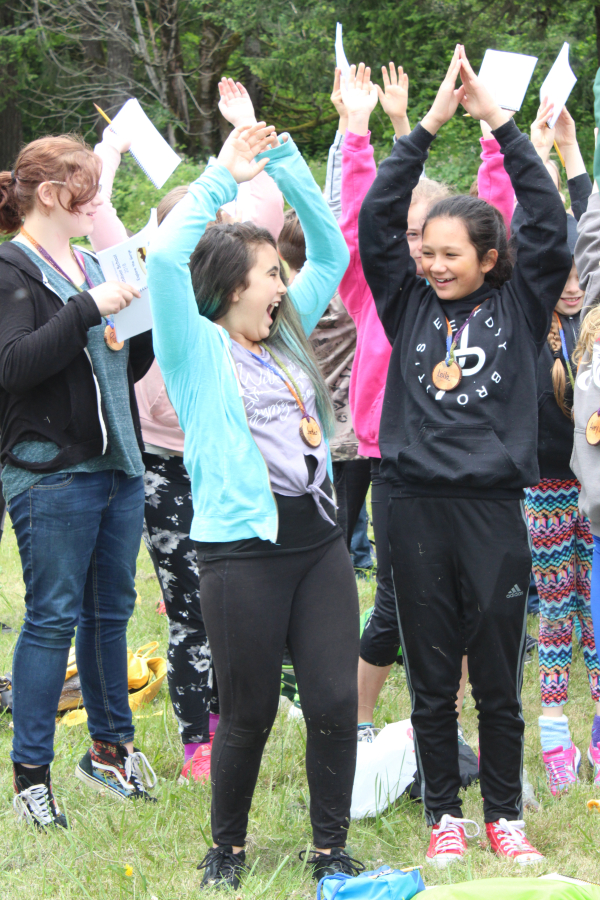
x=442 y=282
x=272 y=309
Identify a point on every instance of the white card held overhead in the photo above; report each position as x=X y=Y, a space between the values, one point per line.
x=340 y=57
x=127 y=262
x=558 y=84
x=507 y=76
x=148 y=146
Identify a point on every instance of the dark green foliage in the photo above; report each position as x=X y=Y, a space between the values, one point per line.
x=283 y=51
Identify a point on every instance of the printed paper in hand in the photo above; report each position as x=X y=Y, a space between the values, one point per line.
x=558 y=84
x=148 y=146
x=507 y=76
x=340 y=57
x=127 y=262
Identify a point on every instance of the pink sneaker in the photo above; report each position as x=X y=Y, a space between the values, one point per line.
x=594 y=760
x=199 y=764
x=562 y=767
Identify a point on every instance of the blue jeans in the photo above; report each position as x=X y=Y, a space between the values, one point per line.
x=78 y=536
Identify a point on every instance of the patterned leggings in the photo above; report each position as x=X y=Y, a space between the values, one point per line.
x=562 y=548
x=168 y=519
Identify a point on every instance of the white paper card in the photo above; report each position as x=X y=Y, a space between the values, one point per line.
x=507 y=76
x=558 y=83
x=340 y=57
x=127 y=262
x=148 y=146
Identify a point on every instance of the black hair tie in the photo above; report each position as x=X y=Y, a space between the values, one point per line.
x=13 y=177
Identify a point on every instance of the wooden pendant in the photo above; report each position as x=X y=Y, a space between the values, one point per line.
x=310 y=431
x=592 y=431
x=110 y=338
x=446 y=378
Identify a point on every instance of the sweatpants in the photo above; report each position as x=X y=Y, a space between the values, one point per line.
x=251 y=608
x=461 y=571
x=562 y=548
x=380 y=640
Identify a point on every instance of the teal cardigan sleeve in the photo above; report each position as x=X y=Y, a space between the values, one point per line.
x=178 y=327
x=327 y=255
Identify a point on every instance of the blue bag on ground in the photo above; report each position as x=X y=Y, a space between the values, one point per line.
x=382 y=884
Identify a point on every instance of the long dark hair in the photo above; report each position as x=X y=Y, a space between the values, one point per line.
x=220 y=265
x=485 y=227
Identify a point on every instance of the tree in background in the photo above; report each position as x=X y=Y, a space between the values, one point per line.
x=56 y=59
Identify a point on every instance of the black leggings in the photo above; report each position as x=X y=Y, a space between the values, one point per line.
x=351 y=478
x=380 y=640
x=252 y=607
x=168 y=518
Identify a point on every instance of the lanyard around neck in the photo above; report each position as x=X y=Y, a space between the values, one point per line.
x=563 y=342
x=451 y=343
x=295 y=390
x=44 y=253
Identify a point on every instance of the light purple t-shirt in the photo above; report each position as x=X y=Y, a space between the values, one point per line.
x=274 y=418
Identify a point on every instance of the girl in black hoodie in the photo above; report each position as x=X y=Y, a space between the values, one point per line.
x=458 y=441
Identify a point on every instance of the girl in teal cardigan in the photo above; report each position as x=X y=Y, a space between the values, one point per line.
x=231 y=342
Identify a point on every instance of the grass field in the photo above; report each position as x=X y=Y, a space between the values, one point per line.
x=163 y=843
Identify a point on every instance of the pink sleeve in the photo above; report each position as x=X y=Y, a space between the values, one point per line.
x=358 y=174
x=260 y=201
x=493 y=183
x=108 y=228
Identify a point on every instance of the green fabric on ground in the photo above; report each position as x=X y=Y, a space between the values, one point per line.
x=514 y=889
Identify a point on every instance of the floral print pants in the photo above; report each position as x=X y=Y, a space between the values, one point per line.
x=168 y=519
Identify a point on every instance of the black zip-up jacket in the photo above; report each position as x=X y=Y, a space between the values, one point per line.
x=480 y=439
x=555 y=430
x=48 y=390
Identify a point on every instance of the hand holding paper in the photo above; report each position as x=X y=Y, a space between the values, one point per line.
x=559 y=83
x=113 y=296
x=477 y=99
x=542 y=137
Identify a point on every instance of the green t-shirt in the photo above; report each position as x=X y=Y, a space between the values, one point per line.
x=110 y=368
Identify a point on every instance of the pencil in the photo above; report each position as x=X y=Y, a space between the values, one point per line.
x=103 y=114
x=560 y=156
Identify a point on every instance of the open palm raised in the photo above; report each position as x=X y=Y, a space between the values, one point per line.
x=241 y=148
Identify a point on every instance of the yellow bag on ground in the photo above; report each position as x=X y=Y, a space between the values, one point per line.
x=138 y=672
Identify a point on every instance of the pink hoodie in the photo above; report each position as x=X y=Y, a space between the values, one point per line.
x=261 y=201
x=373 y=350
x=493 y=183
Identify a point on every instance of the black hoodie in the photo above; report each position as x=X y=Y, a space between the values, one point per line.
x=480 y=439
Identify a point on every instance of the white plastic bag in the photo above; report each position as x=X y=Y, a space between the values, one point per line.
x=384 y=769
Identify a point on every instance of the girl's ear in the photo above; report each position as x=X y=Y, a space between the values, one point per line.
x=46 y=196
x=235 y=296
x=489 y=261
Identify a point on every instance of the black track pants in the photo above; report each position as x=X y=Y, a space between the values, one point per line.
x=461 y=570
x=252 y=608
x=380 y=640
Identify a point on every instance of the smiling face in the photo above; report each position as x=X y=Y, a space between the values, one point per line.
x=414 y=232
x=249 y=318
x=450 y=261
x=571 y=299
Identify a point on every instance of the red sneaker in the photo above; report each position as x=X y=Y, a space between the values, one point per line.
x=509 y=842
x=448 y=840
x=199 y=764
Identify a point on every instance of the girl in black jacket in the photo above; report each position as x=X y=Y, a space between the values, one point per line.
x=72 y=471
x=458 y=443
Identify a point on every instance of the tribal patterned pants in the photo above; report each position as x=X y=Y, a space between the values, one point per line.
x=562 y=548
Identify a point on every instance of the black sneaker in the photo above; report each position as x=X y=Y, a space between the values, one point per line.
x=34 y=801
x=530 y=645
x=222 y=867
x=324 y=864
x=110 y=768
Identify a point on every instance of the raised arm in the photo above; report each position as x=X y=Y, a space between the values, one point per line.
x=326 y=252
x=108 y=228
x=390 y=271
x=177 y=322
x=259 y=200
x=579 y=183
x=333 y=177
x=493 y=183
x=587 y=248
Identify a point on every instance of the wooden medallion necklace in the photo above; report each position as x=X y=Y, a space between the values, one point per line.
x=310 y=431
x=447 y=375
x=110 y=335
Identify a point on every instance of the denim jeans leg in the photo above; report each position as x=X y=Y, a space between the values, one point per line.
x=56 y=523
x=108 y=603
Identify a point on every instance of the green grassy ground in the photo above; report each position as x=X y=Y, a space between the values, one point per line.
x=163 y=843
